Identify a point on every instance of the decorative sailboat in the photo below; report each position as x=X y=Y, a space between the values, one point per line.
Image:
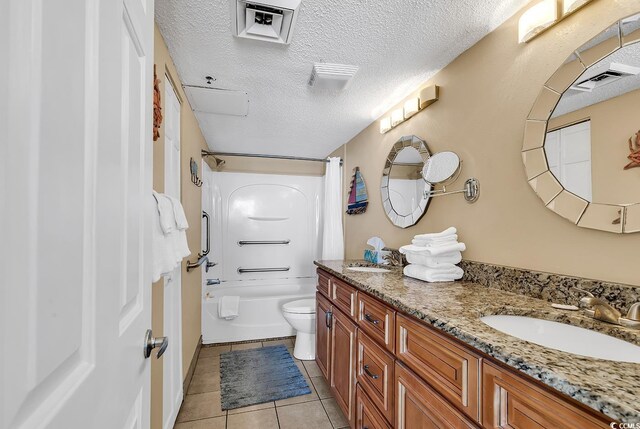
x=358 y=194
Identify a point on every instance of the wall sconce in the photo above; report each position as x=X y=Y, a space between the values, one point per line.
x=397 y=117
x=428 y=96
x=411 y=107
x=385 y=125
x=537 y=19
x=544 y=15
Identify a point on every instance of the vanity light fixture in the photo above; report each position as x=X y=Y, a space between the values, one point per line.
x=544 y=15
x=428 y=96
x=385 y=125
x=537 y=19
x=411 y=107
x=397 y=116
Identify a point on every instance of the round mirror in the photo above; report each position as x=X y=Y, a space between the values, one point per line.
x=404 y=191
x=441 y=168
x=582 y=139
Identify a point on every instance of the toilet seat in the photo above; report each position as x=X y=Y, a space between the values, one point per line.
x=301 y=306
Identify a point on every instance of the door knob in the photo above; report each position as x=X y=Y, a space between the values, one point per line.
x=151 y=343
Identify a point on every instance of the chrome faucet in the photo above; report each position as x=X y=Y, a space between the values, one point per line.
x=211 y=282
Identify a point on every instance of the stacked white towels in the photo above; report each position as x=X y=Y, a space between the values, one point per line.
x=433 y=257
x=169 y=235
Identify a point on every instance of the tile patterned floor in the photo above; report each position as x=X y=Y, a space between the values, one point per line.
x=201 y=407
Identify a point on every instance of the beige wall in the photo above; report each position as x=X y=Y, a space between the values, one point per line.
x=612 y=123
x=485 y=97
x=191 y=143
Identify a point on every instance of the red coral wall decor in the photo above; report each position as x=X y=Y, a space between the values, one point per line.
x=157 y=106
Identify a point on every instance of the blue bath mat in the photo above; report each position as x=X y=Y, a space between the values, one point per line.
x=256 y=376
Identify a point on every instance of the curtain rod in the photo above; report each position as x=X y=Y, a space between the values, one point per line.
x=256 y=155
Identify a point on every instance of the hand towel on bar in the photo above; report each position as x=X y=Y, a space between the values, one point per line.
x=437 y=235
x=434 y=261
x=178 y=213
x=434 y=251
x=165 y=208
x=228 y=307
x=162 y=249
x=433 y=275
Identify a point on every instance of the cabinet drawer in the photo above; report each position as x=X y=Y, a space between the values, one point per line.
x=377 y=320
x=343 y=296
x=367 y=416
x=324 y=282
x=449 y=368
x=419 y=406
x=513 y=402
x=375 y=374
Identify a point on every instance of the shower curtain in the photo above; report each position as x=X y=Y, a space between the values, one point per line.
x=332 y=238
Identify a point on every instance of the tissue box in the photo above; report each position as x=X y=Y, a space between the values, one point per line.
x=371 y=256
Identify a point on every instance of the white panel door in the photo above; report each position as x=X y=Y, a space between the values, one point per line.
x=75 y=187
x=172 y=366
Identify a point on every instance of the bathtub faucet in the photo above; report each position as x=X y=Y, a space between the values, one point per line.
x=211 y=282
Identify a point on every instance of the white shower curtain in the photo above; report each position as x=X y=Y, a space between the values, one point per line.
x=332 y=238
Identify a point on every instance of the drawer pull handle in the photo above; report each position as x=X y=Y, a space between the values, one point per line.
x=370 y=319
x=327 y=318
x=369 y=373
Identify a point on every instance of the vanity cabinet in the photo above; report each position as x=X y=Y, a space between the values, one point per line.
x=323 y=334
x=512 y=402
x=342 y=372
x=389 y=370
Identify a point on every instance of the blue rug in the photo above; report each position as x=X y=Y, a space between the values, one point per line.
x=256 y=376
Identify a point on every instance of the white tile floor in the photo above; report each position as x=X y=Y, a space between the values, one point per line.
x=201 y=407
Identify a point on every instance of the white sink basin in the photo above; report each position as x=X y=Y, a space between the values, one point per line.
x=368 y=269
x=566 y=338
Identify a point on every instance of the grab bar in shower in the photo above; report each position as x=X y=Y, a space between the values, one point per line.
x=262 y=270
x=249 y=242
x=205 y=216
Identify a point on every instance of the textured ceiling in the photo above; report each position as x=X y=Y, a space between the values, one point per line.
x=398 y=44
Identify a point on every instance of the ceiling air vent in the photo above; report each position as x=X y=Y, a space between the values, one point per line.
x=615 y=72
x=271 y=21
x=331 y=76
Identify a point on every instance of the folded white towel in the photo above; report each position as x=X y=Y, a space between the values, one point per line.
x=434 y=235
x=434 y=261
x=178 y=213
x=228 y=307
x=435 y=241
x=434 y=250
x=433 y=275
x=165 y=209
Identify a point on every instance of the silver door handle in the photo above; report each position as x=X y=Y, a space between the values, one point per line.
x=151 y=343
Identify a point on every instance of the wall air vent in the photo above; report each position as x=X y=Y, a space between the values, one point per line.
x=270 y=20
x=615 y=72
x=331 y=76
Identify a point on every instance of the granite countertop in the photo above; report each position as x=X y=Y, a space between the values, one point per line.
x=456 y=307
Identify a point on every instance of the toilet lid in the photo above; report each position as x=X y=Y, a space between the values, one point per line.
x=301 y=306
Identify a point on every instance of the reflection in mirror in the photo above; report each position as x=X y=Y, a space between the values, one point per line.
x=406 y=186
x=586 y=141
x=404 y=191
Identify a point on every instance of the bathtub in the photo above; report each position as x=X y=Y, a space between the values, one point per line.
x=260 y=309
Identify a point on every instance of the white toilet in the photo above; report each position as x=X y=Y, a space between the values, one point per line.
x=301 y=315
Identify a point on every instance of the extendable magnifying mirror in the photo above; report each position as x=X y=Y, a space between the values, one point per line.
x=444 y=168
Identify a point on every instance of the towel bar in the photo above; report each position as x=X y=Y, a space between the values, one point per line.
x=262 y=270
x=247 y=243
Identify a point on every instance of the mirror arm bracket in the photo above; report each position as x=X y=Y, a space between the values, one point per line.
x=471 y=191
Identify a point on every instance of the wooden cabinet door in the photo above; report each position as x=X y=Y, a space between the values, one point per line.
x=374 y=373
x=367 y=416
x=419 y=406
x=323 y=334
x=510 y=401
x=451 y=369
x=343 y=363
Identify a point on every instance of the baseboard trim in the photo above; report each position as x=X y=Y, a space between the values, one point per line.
x=192 y=367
